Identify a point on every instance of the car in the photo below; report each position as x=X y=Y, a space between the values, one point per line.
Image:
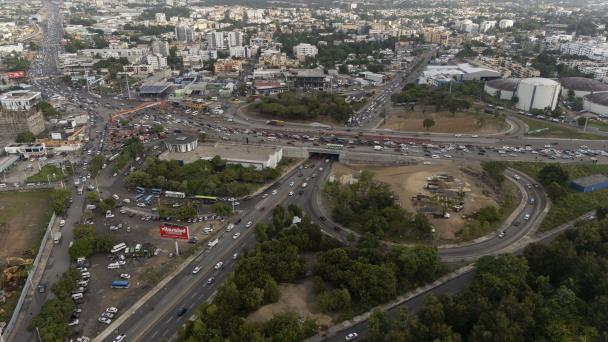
x=291 y=184
x=141 y=205
x=112 y=309
x=249 y=224
x=516 y=223
x=210 y=280
x=323 y=218
x=274 y=192
x=219 y=265
x=181 y=311
x=236 y=235
x=235 y=256
x=291 y=193
x=120 y=337
x=196 y=270
x=501 y=234
x=264 y=195
x=125 y=276
x=104 y=320
x=337 y=228
x=41 y=288
x=351 y=336
x=74 y=322
x=107 y=314
x=527 y=217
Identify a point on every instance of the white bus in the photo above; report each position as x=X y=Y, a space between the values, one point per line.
x=175 y=194
x=118 y=247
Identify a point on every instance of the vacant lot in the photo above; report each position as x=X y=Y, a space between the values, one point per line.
x=20 y=230
x=297 y=298
x=462 y=122
x=251 y=112
x=409 y=181
x=538 y=128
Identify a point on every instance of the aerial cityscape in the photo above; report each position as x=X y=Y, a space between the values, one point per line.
x=322 y=170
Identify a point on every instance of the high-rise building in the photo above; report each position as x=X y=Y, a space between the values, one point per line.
x=235 y=38
x=160 y=17
x=184 y=33
x=157 y=62
x=160 y=47
x=505 y=23
x=215 y=40
x=486 y=25
x=302 y=50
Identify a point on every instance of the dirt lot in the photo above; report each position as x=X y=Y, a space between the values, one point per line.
x=463 y=122
x=22 y=232
x=409 y=181
x=297 y=298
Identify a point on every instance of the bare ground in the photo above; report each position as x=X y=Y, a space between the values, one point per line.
x=401 y=119
x=297 y=298
x=408 y=181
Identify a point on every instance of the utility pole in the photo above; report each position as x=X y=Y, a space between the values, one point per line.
x=128 y=89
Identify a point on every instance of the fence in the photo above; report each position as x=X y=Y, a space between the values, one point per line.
x=28 y=283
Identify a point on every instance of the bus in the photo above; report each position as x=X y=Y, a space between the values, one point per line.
x=175 y=194
x=113 y=157
x=139 y=197
x=149 y=199
x=118 y=247
x=334 y=146
x=120 y=284
x=140 y=190
x=205 y=199
x=156 y=191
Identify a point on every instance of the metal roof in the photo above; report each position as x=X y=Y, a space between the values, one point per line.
x=598 y=98
x=154 y=88
x=583 y=84
x=509 y=84
x=591 y=180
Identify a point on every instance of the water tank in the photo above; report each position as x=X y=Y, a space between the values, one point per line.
x=537 y=93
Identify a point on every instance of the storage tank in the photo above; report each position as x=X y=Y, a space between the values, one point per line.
x=596 y=103
x=506 y=87
x=581 y=86
x=537 y=93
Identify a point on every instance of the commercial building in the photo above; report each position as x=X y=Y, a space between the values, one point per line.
x=26 y=150
x=596 y=103
x=269 y=87
x=19 y=100
x=160 y=47
x=505 y=23
x=133 y=55
x=184 y=33
x=259 y=157
x=509 y=68
x=506 y=88
x=373 y=77
x=537 y=93
x=308 y=79
x=442 y=74
x=581 y=86
x=157 y=62
x=227 y=66
x=597 y=51
x=590 y=183
x=181 y=143
x=302 y=50
x=154 y=89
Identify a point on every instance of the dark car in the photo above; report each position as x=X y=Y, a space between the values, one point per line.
x=42 y=288
x=337 y=228
x=237 y=221
x=181 y=311
x=322 y=218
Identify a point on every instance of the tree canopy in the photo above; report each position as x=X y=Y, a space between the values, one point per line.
x=291 y=106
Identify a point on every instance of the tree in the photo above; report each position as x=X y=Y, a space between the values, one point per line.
x=581 y=121
x=428 y=123
x=552 y=173
x=96 y=164
x=222 y=209
x=25 y=137
x=59 y=198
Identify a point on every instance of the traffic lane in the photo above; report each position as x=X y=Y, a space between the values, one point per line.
x=413 y=305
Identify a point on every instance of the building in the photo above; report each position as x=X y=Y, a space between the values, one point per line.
x=590 y=183
x=26 y=150
x=19 y=100
x=593 y=50
x=181 y=143
x=133 y=55
x=373 y=77
x=240 y=52
x=269 y=87
x=256 y=156
x=215 y=40
x=596 y=103
x=307 y=79
x=157 y=62
x=581 y=86
x=227 y=66
x=537 y=93
x=302 y=51
x=154 y=89
x=160 y=47
x=235 y=38
x=160 y=18
x=505 y=24
x=486 y=25
x=506 y=88
x=437 y=36
x=509 y=68
x=184 y=33
x=442 y=74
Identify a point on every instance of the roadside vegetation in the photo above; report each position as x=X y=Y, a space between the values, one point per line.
x=131 y=149
x=292 y=106
x=566 y=203
x=87 y=242
x=212 y=177
x=555 y=292
x=538 y=128
x=369 y=206
x=50 y=173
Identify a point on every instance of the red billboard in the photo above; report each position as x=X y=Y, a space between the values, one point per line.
x=174 y=231
x=16 y=74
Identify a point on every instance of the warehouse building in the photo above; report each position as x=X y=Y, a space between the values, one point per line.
x=596 y=103
x=537 y=93
x=181 y=143
x=581 y=86
x=590 y=183
x=260 y=157
x=505 y=87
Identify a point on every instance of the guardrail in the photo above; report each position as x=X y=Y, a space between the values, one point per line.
x=28 y=283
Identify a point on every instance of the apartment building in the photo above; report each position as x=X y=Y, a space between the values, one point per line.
x=227 y=66
x=302 y=51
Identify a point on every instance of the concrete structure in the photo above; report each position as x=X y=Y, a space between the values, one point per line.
x=594 y=50
x=157 y=62
x=313 y=79
x=160 y=47
x=26 y=150
x=590 y=183
x=18 y=100
x=506 y=87
x=184 y=33
x=154 y=89
x=302 y=50
x=537 y=93
x=133 y=55
x=259 y=157
x=596 y=103
x=441 y=74
x=373 y=77
x=505 y=23
x=227 y=66
x=581 y=86
x=181 y=143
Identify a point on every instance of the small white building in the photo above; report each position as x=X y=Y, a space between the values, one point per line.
x=373 y=77
x=302 y=50
x=19 y=100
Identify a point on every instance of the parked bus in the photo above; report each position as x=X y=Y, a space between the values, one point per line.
x=114 y=156
x=139 y=197
x=156 y=191
x=118 y=247
x=120 y=284
x=334 y=146
x=205 y=199
x=149 y=199
x=140 y=190
x=175 y=194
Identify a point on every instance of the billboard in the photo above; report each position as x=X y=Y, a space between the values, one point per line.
x=174 y=231
x=16 y=74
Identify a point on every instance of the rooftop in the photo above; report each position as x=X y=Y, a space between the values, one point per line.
x=509 y=84
x=20 y=95
x=599 y=98
x=583 y=84
x=177 y=139
x=154 y=88
x=591 y=180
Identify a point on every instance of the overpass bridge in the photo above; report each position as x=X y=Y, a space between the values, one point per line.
x=346 y=156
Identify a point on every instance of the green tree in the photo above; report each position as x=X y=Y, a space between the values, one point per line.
x=428 y=123
x=222 y=209
x=95 y=165
x=552 y=173
x=25 y=137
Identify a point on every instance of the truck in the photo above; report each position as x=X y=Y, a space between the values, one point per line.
x=57 y=238
x=212 y=243
x=275 y=122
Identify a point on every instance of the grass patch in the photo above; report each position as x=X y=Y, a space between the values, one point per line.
x=50 y=172
x=599 y=124
x=537 y=128
x=573 y=204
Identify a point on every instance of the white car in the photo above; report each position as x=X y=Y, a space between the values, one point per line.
x=249 y=224
x=291 y=193
x=527 y=217
x=274 y=192
x=120 y=338
x=74 y=322
x=291 y=184
x=236 y=235
x=351 y=336
x=104 y=320
x=125 y=276
x=141 y=205
x=501 y=235
x=196 y=270
x=219 y=265
x=112 y=309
